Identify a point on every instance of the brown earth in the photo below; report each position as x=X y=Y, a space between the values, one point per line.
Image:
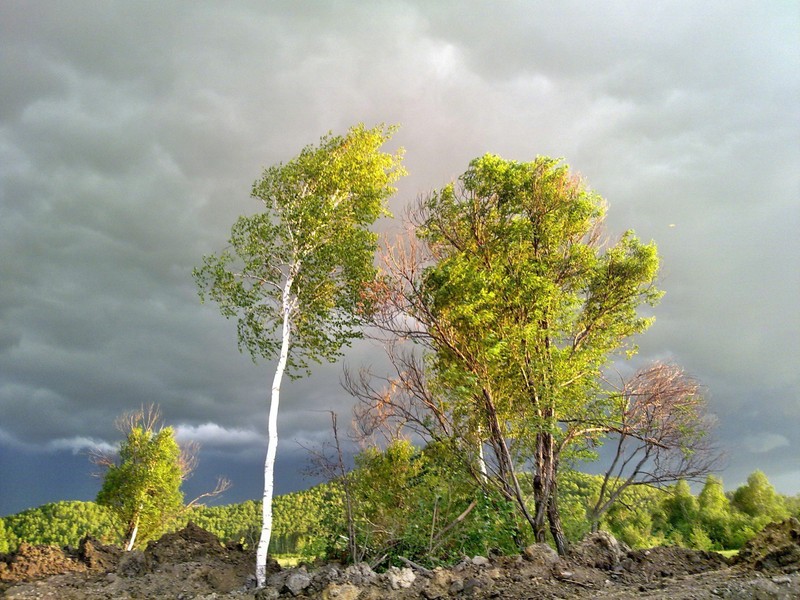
x=193 y=564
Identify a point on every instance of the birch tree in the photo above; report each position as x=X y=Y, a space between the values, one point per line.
x=293 y=274
x=143 y=488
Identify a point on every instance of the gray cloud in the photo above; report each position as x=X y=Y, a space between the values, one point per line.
x=130 y=134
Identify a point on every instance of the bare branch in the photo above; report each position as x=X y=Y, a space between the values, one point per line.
x=223 y=485
x=662 y=434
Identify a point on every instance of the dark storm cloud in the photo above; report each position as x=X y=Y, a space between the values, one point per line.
x=130 y=134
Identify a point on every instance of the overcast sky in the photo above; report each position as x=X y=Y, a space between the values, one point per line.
x=130 y=133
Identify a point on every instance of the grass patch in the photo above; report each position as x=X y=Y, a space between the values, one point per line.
x=288 y=561
x=727 y=553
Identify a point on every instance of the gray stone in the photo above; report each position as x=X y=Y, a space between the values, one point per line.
x=360 y=574
x=541 y=555
x=296 y=581
x=266 y=593
x=472 y=585
x=400 y=578
x=457 y=586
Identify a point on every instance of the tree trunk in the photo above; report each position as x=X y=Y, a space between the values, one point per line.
x=545 y=488
x=134 y=531
x=554 y=517
x=482 y=458
x=510 y=483
x=272 y=443
x=541 y=487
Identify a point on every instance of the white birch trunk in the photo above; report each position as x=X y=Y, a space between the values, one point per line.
x=482 y=463
x=482 y=458
x=272 y=435
x=132 y=541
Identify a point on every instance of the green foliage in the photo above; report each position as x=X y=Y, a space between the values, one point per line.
x=525 y=307
x=306 y=524
x=8 y=541
x=633 y=518
x=629 y=520
x=59 y=524
x=310 y=524
x=143 y=490
x=679 y=513
x=714 y=514
x=309 y=252
x=575 y=491
x=759 y=499
x=232 y=522
x=412 y=503
x=793 y=505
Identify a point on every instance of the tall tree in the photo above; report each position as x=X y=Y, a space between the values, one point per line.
x=143 y=488
x=759 y=499
x=523 y=304
x=294 y=274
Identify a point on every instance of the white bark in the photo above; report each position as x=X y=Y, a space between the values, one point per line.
x=482 y=457
x=132 y=541
x=272 y=435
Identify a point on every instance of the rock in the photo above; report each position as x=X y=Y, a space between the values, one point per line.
x=345 y=591
x=457 y=586
x=480 y=561
x=266 y=593
x=541 y=555
x=433 y=593
x=296 y=581
x=472 y=585
x=324 y=576
x=494 y=573
x=463 y=564
x=400 y=578
x=360 y=574
x=30 y=563
x=599 y=550
x=441 y=577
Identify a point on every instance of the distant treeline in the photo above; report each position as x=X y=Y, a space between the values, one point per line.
x=298 y=517
x=312 y=523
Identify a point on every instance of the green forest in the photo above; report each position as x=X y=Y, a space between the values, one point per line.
x=414 y=514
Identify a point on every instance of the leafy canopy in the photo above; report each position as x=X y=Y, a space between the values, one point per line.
x=526 y=298
x=144 y=487
x=309 y=251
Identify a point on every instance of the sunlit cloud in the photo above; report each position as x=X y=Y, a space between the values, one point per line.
x=212 y=434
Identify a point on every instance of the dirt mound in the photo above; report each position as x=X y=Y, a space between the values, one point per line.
x=97 y=556
x=196 y=559
x=29 y=563
x=775 y=549
x=193 y=564
x=186 y=545
x=673 y=561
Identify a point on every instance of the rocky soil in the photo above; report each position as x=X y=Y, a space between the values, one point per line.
x=193 y=564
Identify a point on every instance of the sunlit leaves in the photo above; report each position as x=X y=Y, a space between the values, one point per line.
x=143 y=488
x=528 y=289
x=313 y=232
